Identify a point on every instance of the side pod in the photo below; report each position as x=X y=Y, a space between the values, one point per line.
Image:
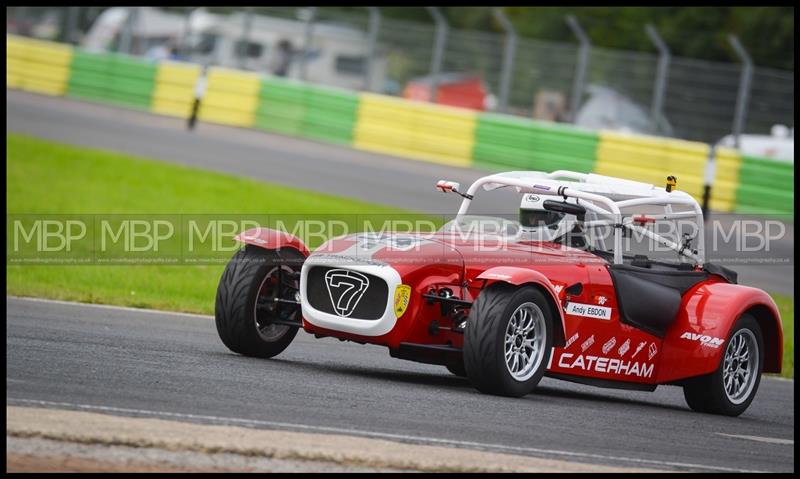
x=695 y=343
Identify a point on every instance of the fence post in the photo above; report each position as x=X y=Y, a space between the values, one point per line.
x=580 y=66
x=72 y=24
x=372 y=38
x=438 y=49
x=21 y=19
x=508 y=57
x=744 y=87
x=126 y=36
x=662 y=70
x=312 y=13
x=247 y=25
x=185 y=49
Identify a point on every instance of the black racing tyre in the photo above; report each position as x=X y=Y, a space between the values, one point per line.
x=508 y=340
x=251 y=276
x=457 y=368
x=731 y=388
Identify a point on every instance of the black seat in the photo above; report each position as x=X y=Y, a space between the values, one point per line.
x=649 y=298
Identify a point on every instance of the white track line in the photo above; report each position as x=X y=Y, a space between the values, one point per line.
x=380 y=435
x=109 y=306
x=769 y=440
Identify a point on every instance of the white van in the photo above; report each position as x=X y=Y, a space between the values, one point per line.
x=337 y=56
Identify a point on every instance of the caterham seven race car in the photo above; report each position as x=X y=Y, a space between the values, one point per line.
x=504 y=302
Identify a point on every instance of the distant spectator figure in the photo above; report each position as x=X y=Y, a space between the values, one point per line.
x=159 y=52
x=283 y=58
x=174 y=54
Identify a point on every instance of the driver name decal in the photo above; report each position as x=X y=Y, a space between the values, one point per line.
x=589 y=310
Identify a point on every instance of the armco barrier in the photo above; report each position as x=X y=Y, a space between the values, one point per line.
x=174 y=88
x=294 y=108
x=36 y=65
x=415 y=130
x=765 y=186
x=503 y=142
x=112 y=78
x=231 y=97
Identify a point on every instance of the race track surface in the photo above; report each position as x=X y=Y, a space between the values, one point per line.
x=168 y=365
x=295 y=162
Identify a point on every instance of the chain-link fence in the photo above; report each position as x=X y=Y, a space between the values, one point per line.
x=364 y=50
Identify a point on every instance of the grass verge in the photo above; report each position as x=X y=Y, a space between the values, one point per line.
x=51 y=178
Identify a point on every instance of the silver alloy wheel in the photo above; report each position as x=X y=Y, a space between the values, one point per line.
x=740 y=367
x=524 y=341
x=269 y=332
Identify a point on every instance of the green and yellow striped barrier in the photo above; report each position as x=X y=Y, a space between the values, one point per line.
x=37 y=66
x=765 y=186
x=174 y=89
x=415 y=130
x=231 y=97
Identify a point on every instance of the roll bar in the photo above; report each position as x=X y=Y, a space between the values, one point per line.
x=603 y=195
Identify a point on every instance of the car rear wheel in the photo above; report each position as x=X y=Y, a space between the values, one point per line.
x=246 y=309
x=508 y=340
x=731 y=388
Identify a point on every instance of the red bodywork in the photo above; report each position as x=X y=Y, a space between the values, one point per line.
x=585 y=347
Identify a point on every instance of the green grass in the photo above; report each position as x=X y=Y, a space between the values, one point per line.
x=786 y=307
x=51 y=178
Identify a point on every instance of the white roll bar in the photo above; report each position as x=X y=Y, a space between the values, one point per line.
x=600 y=192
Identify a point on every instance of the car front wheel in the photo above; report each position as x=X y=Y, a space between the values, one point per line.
x=250 y=320
x=508 y=340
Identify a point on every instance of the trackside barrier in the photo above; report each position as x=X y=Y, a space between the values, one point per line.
x=300 y=109
x=503 y=142
x=331 y=115
x=726 y=179
x=652 y=159
x=765 y=186
x=174 y=88
x=281 y=106
x=37 y=65
x=396 y=126
x=415 y=130
x=113 y=78
x=231 y=97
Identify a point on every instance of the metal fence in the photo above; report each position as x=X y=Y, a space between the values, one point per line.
x=654 y=93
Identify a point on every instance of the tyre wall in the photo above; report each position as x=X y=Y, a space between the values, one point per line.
x=765 y=186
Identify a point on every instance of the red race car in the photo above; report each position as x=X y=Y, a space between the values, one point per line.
x=505 y=302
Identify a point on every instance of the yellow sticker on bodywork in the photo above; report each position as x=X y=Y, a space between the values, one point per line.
x=401 y=296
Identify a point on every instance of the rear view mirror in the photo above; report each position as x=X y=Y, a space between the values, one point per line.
x=564 y=207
